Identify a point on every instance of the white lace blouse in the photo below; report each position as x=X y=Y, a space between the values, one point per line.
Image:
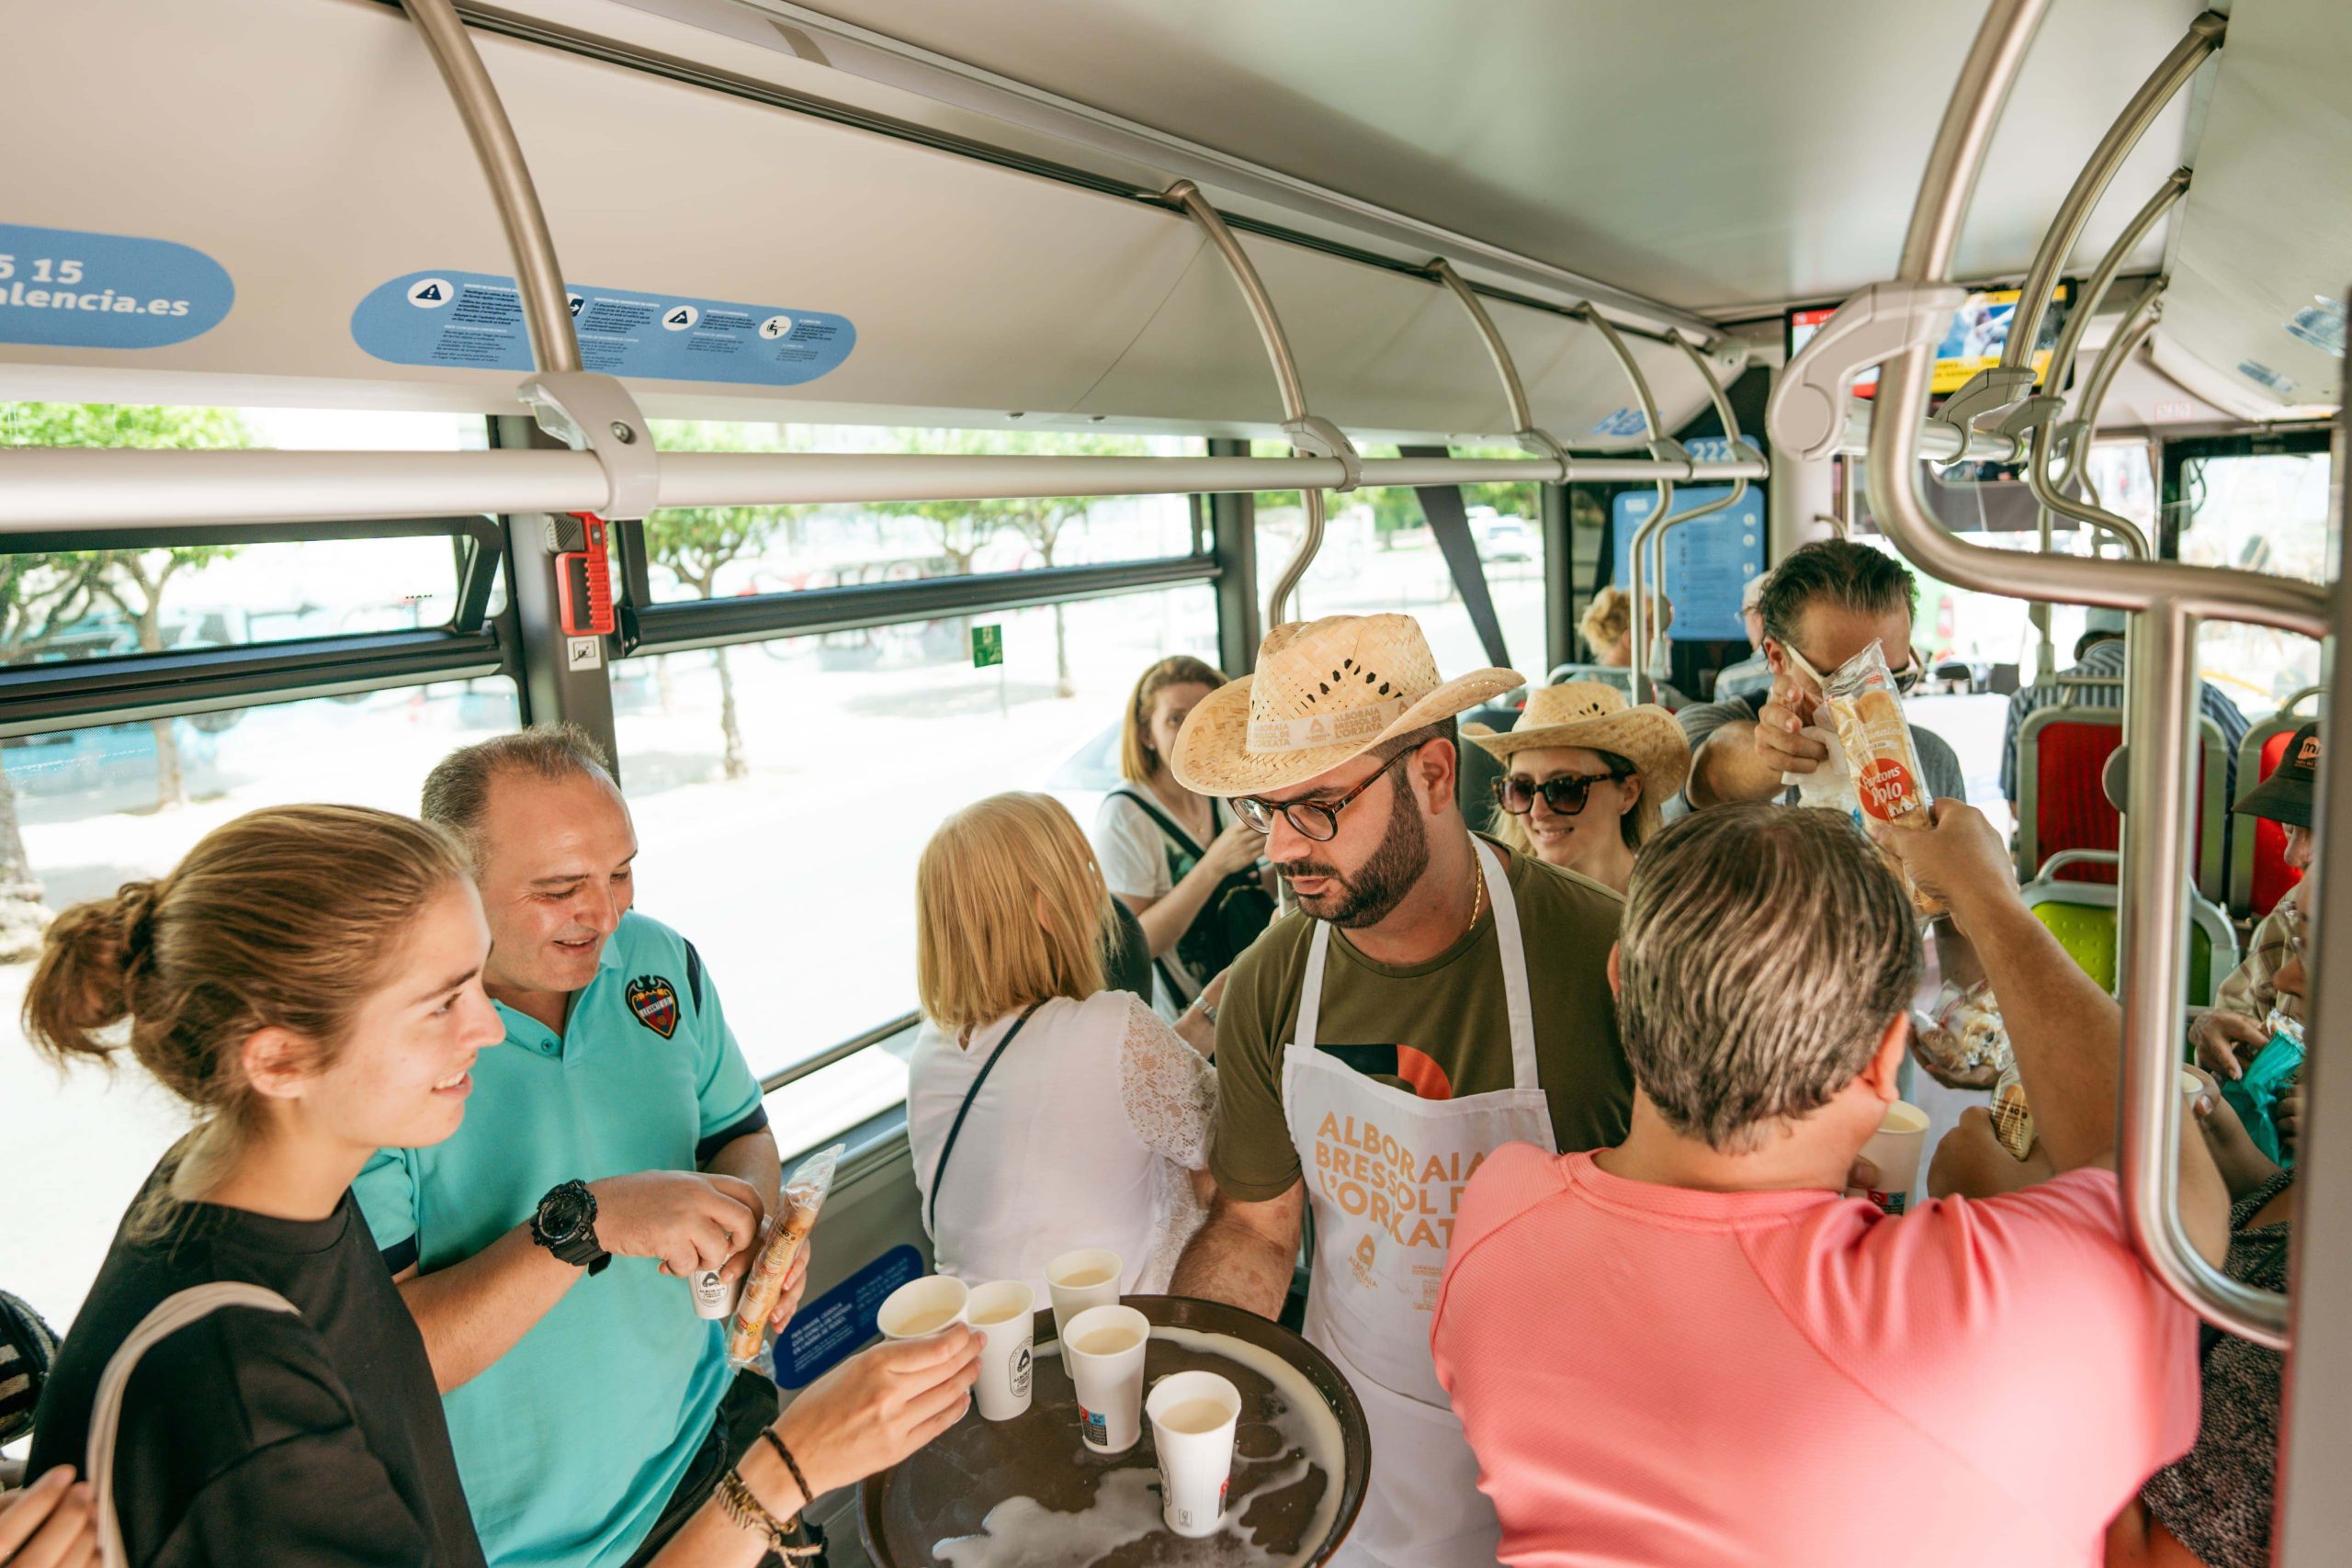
x=1083 y=1135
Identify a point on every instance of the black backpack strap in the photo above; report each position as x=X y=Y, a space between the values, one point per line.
x=1183 y=839
x=955 y=1128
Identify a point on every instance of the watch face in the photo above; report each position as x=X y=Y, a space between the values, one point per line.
x=561 y=1213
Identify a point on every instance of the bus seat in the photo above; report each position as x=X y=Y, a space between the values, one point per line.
x=2063 y=806
x=2083 y=917
x=2259 y=874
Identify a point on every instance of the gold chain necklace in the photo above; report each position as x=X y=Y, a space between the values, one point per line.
x=1478 y=891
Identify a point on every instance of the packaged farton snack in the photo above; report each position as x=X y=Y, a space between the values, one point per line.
x=1965 y=1035
x=1877 y=741
x=2012 y=1118
x=795 y=1215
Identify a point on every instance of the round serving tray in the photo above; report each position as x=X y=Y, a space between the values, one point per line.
x=946 y=1490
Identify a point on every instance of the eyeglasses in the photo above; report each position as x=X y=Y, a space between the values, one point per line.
x=1315 y=819
x=1906 y=679
x=1565 y=793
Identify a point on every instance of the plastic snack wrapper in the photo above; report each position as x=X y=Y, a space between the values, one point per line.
x=2012 y=1118
x=787 y=1230
x=1965 y=1035
x=1877 y=742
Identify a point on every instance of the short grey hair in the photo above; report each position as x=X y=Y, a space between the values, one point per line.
x=1765 y=949
x=456 y=792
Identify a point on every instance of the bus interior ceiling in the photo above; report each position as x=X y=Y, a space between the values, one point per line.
x=972 y=197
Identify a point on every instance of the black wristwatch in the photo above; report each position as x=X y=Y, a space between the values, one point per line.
x=565 y=1223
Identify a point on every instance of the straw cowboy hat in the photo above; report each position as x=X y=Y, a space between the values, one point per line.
x=1593 y=715
x=1324 y=692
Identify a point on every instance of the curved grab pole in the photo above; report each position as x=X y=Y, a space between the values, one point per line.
x=2130 y=333
x=1638 y=669
x=1651 y=535
x=2169 y=597
x=1523 y=419
x=546 y=311
x=1309 y=436
x=2204 y=36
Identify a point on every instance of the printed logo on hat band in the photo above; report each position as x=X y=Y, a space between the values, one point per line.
x=1274 y=736
x=2308 y=756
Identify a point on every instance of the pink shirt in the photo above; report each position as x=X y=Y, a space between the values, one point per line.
x=1656 y=1377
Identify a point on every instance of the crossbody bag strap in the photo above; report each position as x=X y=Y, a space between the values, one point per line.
x=955 y=1128
x=1183 y=841
x=171 y=1314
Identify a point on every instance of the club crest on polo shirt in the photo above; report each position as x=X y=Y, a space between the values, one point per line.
x=655 y=1002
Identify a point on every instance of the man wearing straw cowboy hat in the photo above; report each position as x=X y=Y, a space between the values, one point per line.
x=1463 y=1004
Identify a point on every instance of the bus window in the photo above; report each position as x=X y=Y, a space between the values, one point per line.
x=784 y=790
x=78 y=818
x=1379 y=555
x=2263 y=512
x=709 y=553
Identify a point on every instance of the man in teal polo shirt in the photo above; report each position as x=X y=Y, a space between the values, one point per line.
x=616 y=1144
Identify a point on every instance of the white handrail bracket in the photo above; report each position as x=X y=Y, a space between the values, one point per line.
x=594 y=413
x=1807 y=416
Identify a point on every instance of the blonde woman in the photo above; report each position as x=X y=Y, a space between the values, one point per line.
x=309 y=980
x=1045 y=1112
x=1608 y=627
x=1183 y=862
x=1584 y=777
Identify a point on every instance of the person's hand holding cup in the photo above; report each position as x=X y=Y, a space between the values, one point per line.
x=880 y=1406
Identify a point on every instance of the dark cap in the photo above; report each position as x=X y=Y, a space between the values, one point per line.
x=2286 y=796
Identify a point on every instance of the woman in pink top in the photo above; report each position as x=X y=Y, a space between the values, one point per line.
x=1690 y=1350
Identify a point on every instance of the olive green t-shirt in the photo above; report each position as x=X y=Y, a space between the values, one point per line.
x=1439 y=1029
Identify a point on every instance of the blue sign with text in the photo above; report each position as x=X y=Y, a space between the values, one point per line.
x=1708 y=560
x=474 y=319
x=826 y=1332
x=71 y=289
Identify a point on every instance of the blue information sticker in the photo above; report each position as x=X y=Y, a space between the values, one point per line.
x=1708 y=560
x=71 y=289
x=475 y=319
x=826 y=1332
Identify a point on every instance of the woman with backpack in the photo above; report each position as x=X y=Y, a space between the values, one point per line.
x=1183 y=862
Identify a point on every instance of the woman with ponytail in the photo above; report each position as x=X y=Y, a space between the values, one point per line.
x=309 y=981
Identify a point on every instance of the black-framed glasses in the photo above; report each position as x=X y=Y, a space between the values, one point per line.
x=1565 y=793
x=1315 y=819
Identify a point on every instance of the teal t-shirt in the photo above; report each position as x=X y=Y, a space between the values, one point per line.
x=570 y=1444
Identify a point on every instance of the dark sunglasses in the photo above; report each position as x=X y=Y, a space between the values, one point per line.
x=1565 y=793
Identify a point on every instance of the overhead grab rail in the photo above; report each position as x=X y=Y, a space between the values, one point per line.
x=587 y=411
x=1667 y=451
x=1310 y=435
x=1531 y=437
x=2167 y=600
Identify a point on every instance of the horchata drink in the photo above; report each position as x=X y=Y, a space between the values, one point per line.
x=1193 y=1416
x=1077 y=1280
x=1103 y=1350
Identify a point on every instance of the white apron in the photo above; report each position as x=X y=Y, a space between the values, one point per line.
x=1384 y=1171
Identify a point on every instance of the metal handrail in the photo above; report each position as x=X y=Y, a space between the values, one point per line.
x=1649 y=539
x=1639 y=629
x=1522 y=418
x=2168 y=598
x=2171 y=74
x=2102 y=279
x=547 y=312
x=2128 y=335
x=44 y=488
x=809 y=1065
x=1316 y=437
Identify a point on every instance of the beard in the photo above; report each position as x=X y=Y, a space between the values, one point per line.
x=1373 y=893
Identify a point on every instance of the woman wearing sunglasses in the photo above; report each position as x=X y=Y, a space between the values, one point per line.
x=1584 y=774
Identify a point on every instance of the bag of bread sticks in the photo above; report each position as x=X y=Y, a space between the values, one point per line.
x=2012 y=1117
x=1879 y=750
x=787 y=1231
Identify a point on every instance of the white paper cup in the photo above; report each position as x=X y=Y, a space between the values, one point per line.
x=715 y=1297
x=1109 y=1377
x=1192 y=1420
x=1895 y=1148
x=921 y=1308
x=1099 y=1269
x=2190 y=1088
x=1004 y=1316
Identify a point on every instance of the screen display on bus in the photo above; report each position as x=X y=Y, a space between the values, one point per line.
x=1979 y=331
